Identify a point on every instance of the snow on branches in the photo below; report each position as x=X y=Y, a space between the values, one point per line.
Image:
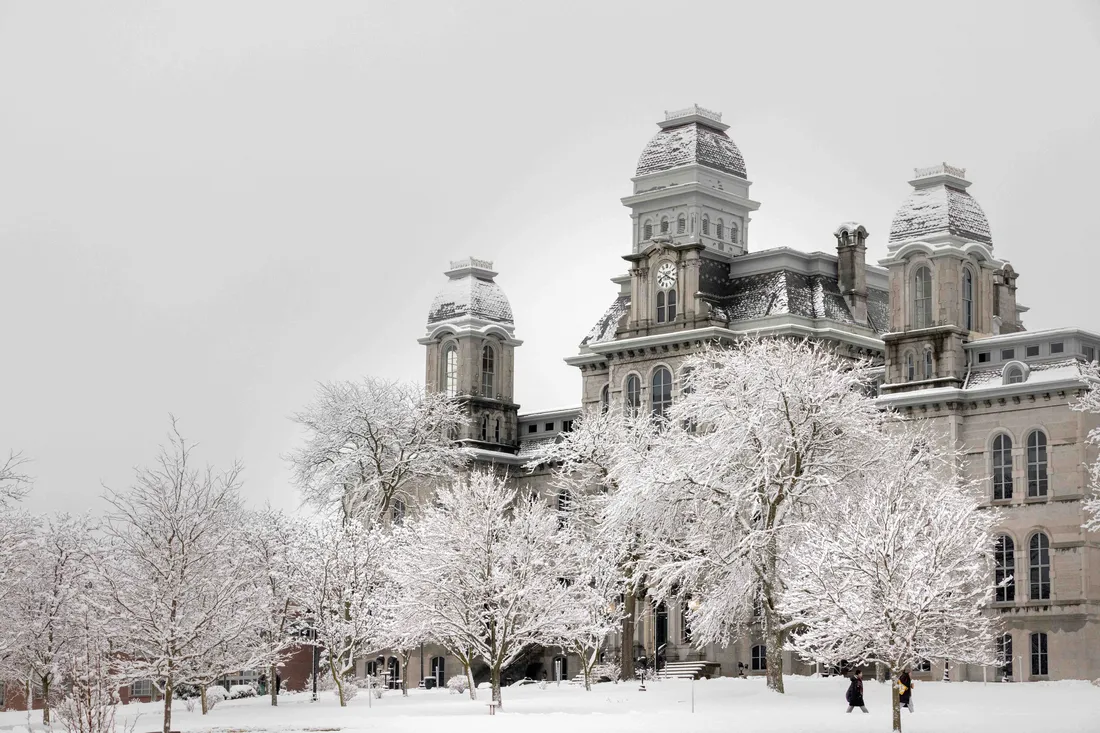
x=370 y=441
x=1090 y=402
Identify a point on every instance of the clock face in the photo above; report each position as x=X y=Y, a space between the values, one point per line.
x=666 y=276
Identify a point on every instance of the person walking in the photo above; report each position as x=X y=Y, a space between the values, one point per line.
x=905 y=688
x=854 y=696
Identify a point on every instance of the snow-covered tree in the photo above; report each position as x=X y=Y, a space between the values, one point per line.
x=1090 y=402
x=371 y=441
x=17 y=531
x=765 y=433
x=896 y=569
x=595 y=608
x=177 y=571
x=14 y=484
x=341 y=589
x=492 y=573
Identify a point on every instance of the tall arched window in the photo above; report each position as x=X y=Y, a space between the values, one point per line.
x=1002 y=467
x=450 y=370
x=633 y=395
x=605 y=398
x=719 y=230
x=398 y=511
x=1038 y=567
x=928 y=364
x=1036 y=463
x=759 y=658
x=485 y=427
x=647 y=231
x=968 y=300
x=1039 y=666
x=681 y=224
x=671 y=305
x=734 y=232
x=706 y=225
x=488 y=367
x=910 y=367
x=660 y=306
x=496 y=431
x=662 y=392
x=1004 y=564
x=922 y=298
x=664 y=225
x=686 y=388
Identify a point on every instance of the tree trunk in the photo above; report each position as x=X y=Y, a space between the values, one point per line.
x=895 y=703
x=774 y=637
x=880 y=671
x=168 y=702
x=46 y=701
x=495 y=682
x=588 y=661
x=337 y=679
x=29 y=696
x=202 y=699
x=470 y=680
x=271 y=686
x=626 y=650
x=405 y=673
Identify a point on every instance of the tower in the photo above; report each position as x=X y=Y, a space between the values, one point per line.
x=470 y=348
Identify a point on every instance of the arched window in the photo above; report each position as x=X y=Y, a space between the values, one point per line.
x=759 y=658
x=928 y=364
x=1038 y=566
x=734 y=232
x=605 y=398
x=439 y=665
x=686 y=388
x=719 y=230
x=922 y=298
x=706 y=225
x=487 y=370
x=449 y=370
x=660 y=306
x=565 y=503
x=671 y=307
x=661 y=396
x=664 y=225
x=968 y=299
x=647 y=231
x=496 y=431
x=484 y=427
x=910 y=367
x=1039 y=666
x=1014 y=374
x=1036 y=463
x=1004 y=646
x=633 y=394
x=398 y=512
x=681 y=224
x=1004 y=564
x=1002 y=467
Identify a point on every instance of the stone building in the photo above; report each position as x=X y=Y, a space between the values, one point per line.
x=939 y=314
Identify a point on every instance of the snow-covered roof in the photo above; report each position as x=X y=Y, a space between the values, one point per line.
x=605 y=328
x=1038 y=373
x=470 y=291
x=939 y=204
x=700 y=139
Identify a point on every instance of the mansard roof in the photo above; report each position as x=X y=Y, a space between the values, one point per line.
x=470 y=292
x=939 y=204
x=692 y=135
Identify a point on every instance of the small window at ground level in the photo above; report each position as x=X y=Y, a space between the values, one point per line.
x=549 y=426
x=759 y=658
x=532 y=429
x=1032 y=350
x=983 y=357
x=566 y=426
x=1057 y=348
x=1008 y=354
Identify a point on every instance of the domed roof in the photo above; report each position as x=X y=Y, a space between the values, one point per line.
x=692 y=135
x=470 y=292
x=939 y=204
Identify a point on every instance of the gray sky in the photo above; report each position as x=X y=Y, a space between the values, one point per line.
x=207 y=207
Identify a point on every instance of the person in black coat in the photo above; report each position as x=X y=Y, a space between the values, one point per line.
x=854 y=695
x=906 y=695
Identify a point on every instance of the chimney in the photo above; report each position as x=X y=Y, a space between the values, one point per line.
x=1004 y=300
x=851 y=268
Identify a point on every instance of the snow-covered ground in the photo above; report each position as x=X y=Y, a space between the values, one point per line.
x=723 y=705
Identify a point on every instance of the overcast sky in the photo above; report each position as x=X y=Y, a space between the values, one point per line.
x=208 y=207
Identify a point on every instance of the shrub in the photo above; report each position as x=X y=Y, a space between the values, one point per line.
x=351 y=689
x=238 y=691
x=458 y=684
x=214 y=695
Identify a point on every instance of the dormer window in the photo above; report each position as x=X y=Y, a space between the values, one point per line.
x=664 y=225
x=647 y=231
x=922 y=298
x=487 y=369
x=706 y=225
x=1014 y=373
x=681 y=224
x=719 y=230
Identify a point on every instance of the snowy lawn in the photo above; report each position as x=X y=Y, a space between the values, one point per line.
x=723 y=705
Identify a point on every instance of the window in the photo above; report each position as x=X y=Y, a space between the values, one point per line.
x=924 y=665
x=734 y=231
x=633 y=397
x=1036 y=463
x=564 y=504
x=681 y=224
x=1039 y=655
x=532 y=429
x=666 y=306
x=397 y=513
x=664 y=225
x=1007 y=354
x=1039 y=567
x=450 y=370
x=559 y=668
x=487 y=371
x=686 y=388
x=922 y=298
x=660 y=617
x=393 y=673
x=927 y=363
x=485 y=427
x=372 y=668
x=1004 y=564
x=647 y=231
x=1057 y=348
x=1002 y=467
x=660 y=306
x=1013 y=374
x=142 y=688
x=567 y=426
x=910 y=367
x=759 y=658
x=719 y=230
x=685 y=624
x=706 y=225
x=549 y=426
x=1031 y=350
x=605 y=398
x=662 y=392
x=496 y=431
x=671 y=305
x=1004 y=647
x=1090 y=354
x=983 y=357
x=439 y=665
x=968 y=300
